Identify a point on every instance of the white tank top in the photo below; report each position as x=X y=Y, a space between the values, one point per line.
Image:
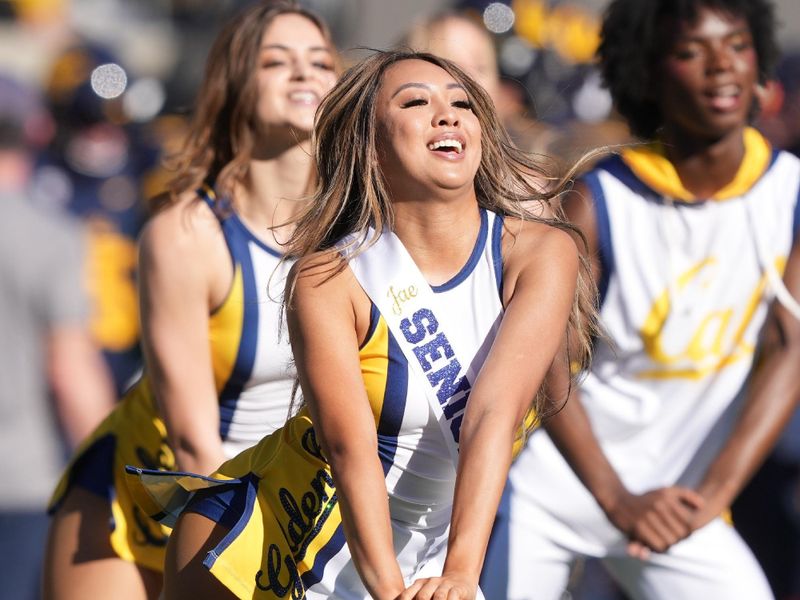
x=684 y=296
x=420 y=474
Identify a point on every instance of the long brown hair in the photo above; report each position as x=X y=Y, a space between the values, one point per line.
x=219 y=146
x=352 y=194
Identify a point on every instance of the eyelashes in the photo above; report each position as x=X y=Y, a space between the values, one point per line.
x=464 y=104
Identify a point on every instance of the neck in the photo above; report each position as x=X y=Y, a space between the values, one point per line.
x=705 y=166
x=272 y=194
x=439 y=233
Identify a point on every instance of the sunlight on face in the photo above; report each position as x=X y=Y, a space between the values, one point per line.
x=428 y=136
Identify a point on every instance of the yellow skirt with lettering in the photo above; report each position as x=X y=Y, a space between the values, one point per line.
x=133 y=434
x=290 y=526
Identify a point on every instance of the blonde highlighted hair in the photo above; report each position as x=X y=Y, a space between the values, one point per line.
x=352 y=194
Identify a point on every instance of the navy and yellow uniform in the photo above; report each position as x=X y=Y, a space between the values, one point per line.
x=279 y=500
x=251 y=361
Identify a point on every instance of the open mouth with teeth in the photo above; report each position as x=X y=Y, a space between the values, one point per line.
x=449 y=146
x=724 y=97
x=303 y=97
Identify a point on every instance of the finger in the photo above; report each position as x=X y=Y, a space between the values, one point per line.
x=458 y=593
x=690 y=498
x=674 y=519
x=411 y=591
x=638 y=550
x=428 y=589
x=652 y=533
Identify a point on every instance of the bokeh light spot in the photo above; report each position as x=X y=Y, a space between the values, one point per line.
x=109 y=80
x=498 y=17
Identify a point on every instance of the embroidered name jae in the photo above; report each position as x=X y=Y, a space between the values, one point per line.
x=431 y=347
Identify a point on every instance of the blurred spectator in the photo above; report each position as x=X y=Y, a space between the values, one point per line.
x=97 y=168
x=457 y=37
x=45 y=348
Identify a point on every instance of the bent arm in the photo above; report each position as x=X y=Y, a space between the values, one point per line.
x=82 y=387
x=541 y=280
x=655 y=519
x=322 y=330
x=175 y=259
x=772 y=396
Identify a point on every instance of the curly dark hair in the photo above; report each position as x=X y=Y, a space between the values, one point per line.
x=633 y=41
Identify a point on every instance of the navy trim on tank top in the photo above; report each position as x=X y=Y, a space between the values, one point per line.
x=604 y=247
x=796 y=219
x=467 y=269
x=374 y=316
x=208 y=194
x=394 y=403
x=252 y=237
x=497 y=253
x=246 y=355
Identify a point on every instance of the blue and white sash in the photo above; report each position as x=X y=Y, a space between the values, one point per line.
x=423 y=327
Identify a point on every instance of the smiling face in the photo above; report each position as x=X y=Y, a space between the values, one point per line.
x=428 y=138
x=295 y=70
x=709 y=75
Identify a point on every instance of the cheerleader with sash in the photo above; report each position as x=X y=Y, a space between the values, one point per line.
x=424 y=311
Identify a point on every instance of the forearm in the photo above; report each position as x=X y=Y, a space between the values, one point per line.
x=81 y=383
x=572 y=434
x=194 y=457
x=191 y=416
x=484 y=461
x=363 y=503
x=771 y=398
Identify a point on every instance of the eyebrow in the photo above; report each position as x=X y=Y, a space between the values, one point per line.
x=744 y=30
x=287 y=49
x=425 y=86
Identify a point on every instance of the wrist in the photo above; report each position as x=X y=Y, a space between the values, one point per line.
x=609 y=497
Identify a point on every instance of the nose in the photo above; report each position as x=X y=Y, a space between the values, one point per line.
x=300 y=69
x=445 y=115
x=719 y=59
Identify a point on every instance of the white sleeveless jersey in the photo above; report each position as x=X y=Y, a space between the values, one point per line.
x=251 y=356
x=420 y=474
x=684 y=295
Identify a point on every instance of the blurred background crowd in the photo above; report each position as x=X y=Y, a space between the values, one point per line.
x=99 y=92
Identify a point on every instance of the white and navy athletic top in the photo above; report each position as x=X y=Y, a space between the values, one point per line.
x=684 y=294
x=420 y=474
x=251 y=356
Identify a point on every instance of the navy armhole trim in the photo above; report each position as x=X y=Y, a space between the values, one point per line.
x=796 y=220
x=374 y=315
x=477 y=250
x=604 y=248
x=497 y=252
x=249 y=235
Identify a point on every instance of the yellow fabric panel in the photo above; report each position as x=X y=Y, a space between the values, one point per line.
x=374 y=356
x=296 y=509
x=140 y=439
x=225 y=331
x=650 y=164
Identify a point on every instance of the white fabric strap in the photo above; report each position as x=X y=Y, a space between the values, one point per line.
x=421 y=325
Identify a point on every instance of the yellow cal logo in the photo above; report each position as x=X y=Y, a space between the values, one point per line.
x=716 y=341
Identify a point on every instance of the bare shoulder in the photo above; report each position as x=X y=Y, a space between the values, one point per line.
x=535 y=251
x=323 y=282
x=530 y=241
x=186 y=228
